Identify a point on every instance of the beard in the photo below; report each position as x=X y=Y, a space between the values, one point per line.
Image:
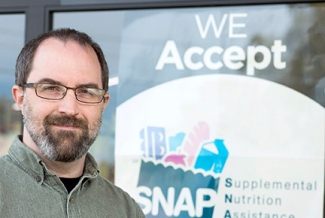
x=57 y=144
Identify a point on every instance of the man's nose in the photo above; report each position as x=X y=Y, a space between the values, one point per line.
x=69 y=104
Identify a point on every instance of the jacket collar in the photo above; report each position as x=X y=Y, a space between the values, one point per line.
x=32 y=164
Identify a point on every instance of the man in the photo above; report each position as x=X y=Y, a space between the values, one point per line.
x=61 y=90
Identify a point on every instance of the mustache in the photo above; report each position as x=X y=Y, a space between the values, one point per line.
x=65 y=120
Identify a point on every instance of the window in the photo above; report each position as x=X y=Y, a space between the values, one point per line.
x=12 y=32
x=211 y=98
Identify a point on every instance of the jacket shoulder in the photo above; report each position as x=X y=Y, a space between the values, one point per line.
x=120 y=198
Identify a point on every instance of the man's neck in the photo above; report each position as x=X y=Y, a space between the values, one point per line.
x=66 y=170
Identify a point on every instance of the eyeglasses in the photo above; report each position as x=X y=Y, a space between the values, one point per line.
x=57 y=92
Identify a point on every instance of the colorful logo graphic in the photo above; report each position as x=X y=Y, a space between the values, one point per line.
x=179 y=174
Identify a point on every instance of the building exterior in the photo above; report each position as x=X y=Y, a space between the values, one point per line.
x=217 y=107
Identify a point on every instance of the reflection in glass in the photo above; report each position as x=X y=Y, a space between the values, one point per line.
x=133 y=40
x=12 y=32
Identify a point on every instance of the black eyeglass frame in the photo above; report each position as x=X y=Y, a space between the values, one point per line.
x=34 y=85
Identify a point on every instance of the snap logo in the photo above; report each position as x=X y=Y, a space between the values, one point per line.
x=180 y=172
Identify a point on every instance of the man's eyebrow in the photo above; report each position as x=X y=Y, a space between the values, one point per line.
x=88 y=85
x=52 y=81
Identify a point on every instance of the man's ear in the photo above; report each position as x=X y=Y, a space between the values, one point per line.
x=106 y=99
x=18 y=95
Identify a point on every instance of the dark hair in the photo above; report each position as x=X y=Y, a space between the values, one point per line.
x=25 y=58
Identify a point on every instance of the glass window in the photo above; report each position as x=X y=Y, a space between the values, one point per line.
x=12 y=33
x=214 y=105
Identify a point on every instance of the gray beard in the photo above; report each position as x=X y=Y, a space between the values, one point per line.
x=61 y=145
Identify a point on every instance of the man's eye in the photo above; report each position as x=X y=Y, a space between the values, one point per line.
x=85 y=92
x=51 y=88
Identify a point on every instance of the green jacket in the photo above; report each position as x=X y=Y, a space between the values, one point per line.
x=29 y=189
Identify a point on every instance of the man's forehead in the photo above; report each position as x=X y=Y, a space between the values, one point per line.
x=55 y=41
x=55 y=47
x=59 y=60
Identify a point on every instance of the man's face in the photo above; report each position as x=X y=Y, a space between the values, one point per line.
x=63 y=130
